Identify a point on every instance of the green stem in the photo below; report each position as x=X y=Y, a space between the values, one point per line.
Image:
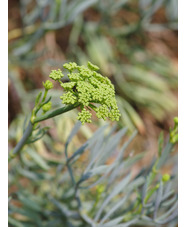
x=30 y=126
x=23 y=140
x=54 y=113
x=38 y=107
x=150 y=193
x=44 y=96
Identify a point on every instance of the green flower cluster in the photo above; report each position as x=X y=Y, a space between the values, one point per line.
x=84 y=116
x=48 y=85
x=89 y=89
x=56 y=74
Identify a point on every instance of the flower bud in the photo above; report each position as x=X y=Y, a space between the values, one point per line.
x=48 y=85
x=166 y=177
x=47 y=107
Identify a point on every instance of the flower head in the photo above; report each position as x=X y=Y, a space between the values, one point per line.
x=56 y=74
x=89 y=89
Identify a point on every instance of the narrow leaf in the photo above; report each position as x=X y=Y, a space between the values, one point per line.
x=114 y=208
x=111 y=223
x=38 y=159
x=115 y=191
x=74 y=131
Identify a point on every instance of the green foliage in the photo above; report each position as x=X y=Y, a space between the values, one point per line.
x=98 y=192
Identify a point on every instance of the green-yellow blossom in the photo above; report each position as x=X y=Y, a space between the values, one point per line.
x=90 y=90
x=68 y=98
x=70 y=66
x=84 y=116
x=48 y=85
x=56 y=74
x=92 y=67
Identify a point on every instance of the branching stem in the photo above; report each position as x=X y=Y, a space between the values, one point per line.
x=23 y=140
x=31 y=123
x=55 y=113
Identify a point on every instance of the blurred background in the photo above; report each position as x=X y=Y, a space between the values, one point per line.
x=134 y=42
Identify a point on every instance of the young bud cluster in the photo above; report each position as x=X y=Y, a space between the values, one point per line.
x=47 y=107
x=89 y=89
x=48 y=85
x=56 y=74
